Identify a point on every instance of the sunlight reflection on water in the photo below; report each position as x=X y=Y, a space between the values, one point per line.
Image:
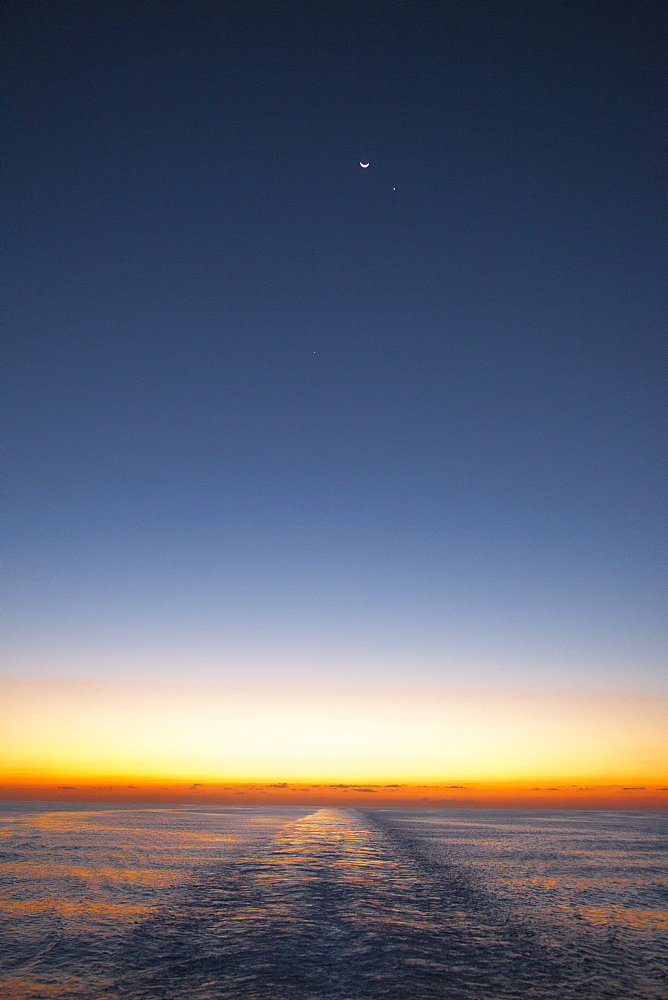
x=331 y=904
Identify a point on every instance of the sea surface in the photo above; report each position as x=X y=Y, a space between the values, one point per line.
x=331 y=904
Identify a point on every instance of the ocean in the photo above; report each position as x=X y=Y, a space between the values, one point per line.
x=101 y=902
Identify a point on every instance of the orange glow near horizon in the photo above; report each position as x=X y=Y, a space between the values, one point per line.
x=471 y=796
x=216 y=743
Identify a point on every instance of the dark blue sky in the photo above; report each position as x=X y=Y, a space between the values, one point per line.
x=270 y=412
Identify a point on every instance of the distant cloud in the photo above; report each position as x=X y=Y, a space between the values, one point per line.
x=364 y=790
x=634 y=788
x=339 y=786
x=303 y=789
x=69 y=788
x=393 y=786
x=279 y=784
x=454 y=786
x=454 y=800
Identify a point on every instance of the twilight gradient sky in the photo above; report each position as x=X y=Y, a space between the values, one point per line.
x=277 y=420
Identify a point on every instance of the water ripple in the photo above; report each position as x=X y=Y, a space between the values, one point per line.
x=333 y=905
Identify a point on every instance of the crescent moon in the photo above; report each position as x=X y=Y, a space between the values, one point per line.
x=364 y=165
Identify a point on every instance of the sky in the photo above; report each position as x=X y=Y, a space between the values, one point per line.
x=321 y=472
